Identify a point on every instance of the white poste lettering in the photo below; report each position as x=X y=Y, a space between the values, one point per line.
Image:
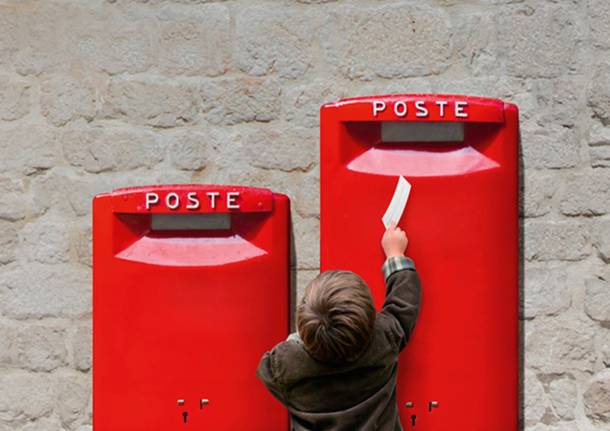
x=422 y=111
x=232 y=200
x=441 y=107
x=422 y=108
x=193 y=201
x=378 y=106
x=151 y=199
x=213 y=196
x=400 y=108
x=460 y=109
x=172 y=201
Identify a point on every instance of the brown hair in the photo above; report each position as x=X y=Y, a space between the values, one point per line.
x=335 y=317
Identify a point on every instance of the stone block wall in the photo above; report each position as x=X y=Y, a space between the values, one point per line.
x=97 y=94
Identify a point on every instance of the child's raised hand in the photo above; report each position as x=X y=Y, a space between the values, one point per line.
x=394 y=241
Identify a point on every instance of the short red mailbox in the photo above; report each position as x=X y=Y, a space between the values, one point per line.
x=460 y=154
x=190 y=288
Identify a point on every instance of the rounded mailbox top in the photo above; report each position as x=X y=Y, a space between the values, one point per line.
x=189 y=198
x=424 y=96
x=418 y=107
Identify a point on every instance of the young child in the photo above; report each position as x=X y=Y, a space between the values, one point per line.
x=339 y=371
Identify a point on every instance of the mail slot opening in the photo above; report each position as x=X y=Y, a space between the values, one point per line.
x=420 y=148
x=190 y=222
x=405 y=131
x=196 y=239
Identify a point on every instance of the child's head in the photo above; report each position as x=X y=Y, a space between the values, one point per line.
x=335 y=317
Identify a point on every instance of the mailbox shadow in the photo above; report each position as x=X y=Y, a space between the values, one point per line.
x=293 y=278
x=521 y=289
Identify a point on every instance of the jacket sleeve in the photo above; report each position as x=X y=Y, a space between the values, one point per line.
x=403 y=296
x=265 y=373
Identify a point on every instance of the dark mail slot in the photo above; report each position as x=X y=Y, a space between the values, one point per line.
x=206 y=221
x=405 y=131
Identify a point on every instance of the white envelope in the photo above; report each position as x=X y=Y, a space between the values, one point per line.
x=398 y=203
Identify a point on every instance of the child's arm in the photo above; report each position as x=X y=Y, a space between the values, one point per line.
x=266 y=374
x=403 y=289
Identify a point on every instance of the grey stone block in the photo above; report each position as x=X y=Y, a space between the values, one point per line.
x=13 y=200
x=101 y=149
x=563 y=393
x=597 y=398
x=193 y=41
x=289 y=149
x=597 y=299
x=28 y=149
x=599 y=16
x=307 y=239
x=539 y=40
x=548 y=290
x=560 y=344
x=549 y=240
x=8 y=242
x=599 y=146
x=393 y=41
x=302 y=102
x=15 y=98
x=599 y=93
x=601 y=239
x=31 y=396
x=81 y=345
x=36 y=291
x=551 y=147
x=192 y=150
x=154 y=103
x=586 y=194
x=68 y=97
x=538 y=192
x=229 y=101
x=604 y=346
x=39 y=347
x=46 y=239
x=72 y=389
x=276 y=40
x=534 y=398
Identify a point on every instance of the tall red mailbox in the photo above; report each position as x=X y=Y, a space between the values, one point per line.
x=190 y=288
x=460 y=154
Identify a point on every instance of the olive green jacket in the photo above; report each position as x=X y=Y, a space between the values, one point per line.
x=360 y=395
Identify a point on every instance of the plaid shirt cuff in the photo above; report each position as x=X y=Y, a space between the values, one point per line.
x=396 y=263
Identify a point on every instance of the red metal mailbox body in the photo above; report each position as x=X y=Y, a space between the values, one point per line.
x=460 y=369
x=190 y=288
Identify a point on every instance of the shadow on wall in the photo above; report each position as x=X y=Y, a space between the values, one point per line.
x=293 y=278
x=521 y=291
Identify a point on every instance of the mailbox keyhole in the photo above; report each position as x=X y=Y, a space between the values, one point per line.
x=413 y=417
x=185 y=416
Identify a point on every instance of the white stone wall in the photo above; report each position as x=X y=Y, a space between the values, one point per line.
x=98 y=94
